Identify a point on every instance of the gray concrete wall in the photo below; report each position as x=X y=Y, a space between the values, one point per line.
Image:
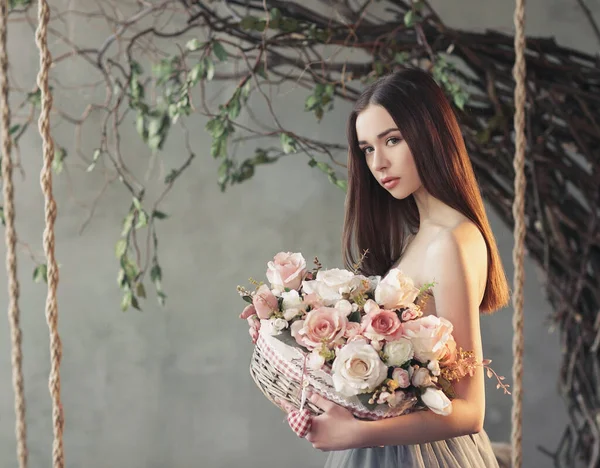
x=169 y=387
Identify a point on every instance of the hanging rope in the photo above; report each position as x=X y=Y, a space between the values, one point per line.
x=519 y=232
x=10 y=237
x=50 y=212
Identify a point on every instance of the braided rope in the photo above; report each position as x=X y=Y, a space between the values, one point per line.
x=10 y=237
x=50 y=214
x=519 y=73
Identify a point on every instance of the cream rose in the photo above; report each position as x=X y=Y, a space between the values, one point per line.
x=421 y=377
x=286 y=270
x=431 y=337
x=325 y=325
x=437 y=401
x=329 y=285
x=398 y=352
x=357 y=369
x=396 y=290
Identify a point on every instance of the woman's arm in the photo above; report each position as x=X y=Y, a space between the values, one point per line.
x=457 y=263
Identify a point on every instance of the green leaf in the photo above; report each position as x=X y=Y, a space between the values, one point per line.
x=460 y=100
x=126 y=300
x=127 y=224
x=220 y=51
x=140 y=125
x=193 y=44
x=142 y=220
x=343 y=184
x=156 y=273
x=248 y=22
x=159 y=214
x=410 y=18
x=210 y=68
x=60 y=154
x=40 y=273
x=140 y=290
x=310 y=103
x=401 y=57
x=162 y=297
x=121 y=248
x=97 y=153
x=234 y=108
x=288 y=143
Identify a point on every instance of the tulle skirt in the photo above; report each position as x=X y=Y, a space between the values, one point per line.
x=470 y=451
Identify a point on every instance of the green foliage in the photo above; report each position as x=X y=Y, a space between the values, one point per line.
x=157 y=99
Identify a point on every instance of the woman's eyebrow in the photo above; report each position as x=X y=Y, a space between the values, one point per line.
x=381 y=135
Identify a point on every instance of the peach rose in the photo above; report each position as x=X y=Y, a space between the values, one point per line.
x=286 y=270
x=380 y=324
x=265 y=302
x=411 y=313
x=431 y=337
x=326 y=325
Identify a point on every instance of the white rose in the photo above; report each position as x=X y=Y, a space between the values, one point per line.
x=396 y=290
x=398 y=352
x=421 y=378
x=329 y=285
x=437 y=401
x=345 y=307
x=292 y=304
x=357 y=369
x=274 y=326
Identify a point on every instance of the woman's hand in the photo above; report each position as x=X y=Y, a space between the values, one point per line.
x=249 y=314
x=335 y=429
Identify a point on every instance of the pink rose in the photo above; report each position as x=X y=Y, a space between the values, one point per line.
x=265 y=302
x=380 y=324
x=313 y=300
x=411 y=313
x=286 y=270
x=325 y=325
x=401 y=376
x=431 y=337
x=352 y=330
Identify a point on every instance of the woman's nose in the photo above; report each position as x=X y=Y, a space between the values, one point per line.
x=380 y=161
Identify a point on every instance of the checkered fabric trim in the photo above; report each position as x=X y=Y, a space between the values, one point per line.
x=300 y=422
x=295 y=372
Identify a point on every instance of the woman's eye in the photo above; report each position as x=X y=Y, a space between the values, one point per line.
x=366 y=150
x=394 y=140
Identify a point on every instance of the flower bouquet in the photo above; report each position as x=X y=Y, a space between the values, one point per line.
x=361 y=342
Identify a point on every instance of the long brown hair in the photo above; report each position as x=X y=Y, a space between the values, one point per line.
x=377 y=221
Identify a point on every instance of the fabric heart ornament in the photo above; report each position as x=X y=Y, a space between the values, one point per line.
x=300 y=422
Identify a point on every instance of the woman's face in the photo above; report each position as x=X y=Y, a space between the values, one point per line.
x=387 y=154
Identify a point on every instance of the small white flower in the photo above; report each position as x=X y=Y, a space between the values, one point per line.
x=434 y=367
x=274 y=326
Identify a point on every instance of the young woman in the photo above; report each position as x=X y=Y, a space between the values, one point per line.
x=414 y=203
